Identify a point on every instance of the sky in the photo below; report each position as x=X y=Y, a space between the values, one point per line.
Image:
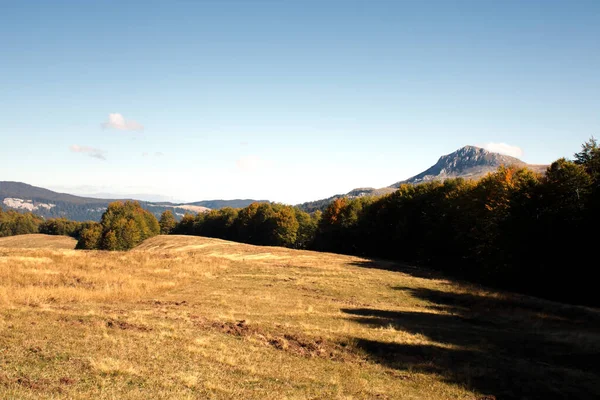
x=288 y=101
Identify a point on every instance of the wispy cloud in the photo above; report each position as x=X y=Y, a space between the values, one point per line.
x=503 y=148
x=250 y=163
x=91 y=151
x=118 y=121
x=156 y=154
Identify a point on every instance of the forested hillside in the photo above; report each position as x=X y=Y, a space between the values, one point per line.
x=20 y=196
x=514 y=228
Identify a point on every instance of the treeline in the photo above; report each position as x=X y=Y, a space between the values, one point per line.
x=265 y=224
x=15 y=223
x=512 y=229
x=123 y=226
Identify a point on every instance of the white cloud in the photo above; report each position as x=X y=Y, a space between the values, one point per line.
x=250 y=163
x=503 y=148
x=91 y=151
x=118 y=121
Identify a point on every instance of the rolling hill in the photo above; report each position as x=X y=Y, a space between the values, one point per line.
x=38 y=241
x=23 y=197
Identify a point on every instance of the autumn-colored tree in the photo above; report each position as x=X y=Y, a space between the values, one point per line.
x=90 y=237
x=332 y=213
x=245 y=225
x=489 y=210
x=61 y=226
x=568 y=187
x=167 y=222
x=283 y=225
x=259 y=223
x=217 y=223
x=16 y=223
x=307 y=227
x=339 y=229
x=123 y=226
x=514 y=228
x=185 y=226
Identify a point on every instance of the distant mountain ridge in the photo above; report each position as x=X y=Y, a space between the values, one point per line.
x=23 y=197
x=236 y=203
x=20 y=189
x=468 y=162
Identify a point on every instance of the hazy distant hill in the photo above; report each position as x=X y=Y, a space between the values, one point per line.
x=237 y=203
x=23 y=197
x=149 y=197
x=25 y=191
x=468 y=162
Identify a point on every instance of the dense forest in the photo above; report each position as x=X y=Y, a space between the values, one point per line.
x=15 y=223
x=260 y=223
x=514 y=228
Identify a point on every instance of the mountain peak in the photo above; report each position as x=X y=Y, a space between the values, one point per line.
x=470 y=162
x=471 y=156
x=469 y=148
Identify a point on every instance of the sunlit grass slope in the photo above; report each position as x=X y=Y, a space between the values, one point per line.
x=38 y=241
x=186 y=317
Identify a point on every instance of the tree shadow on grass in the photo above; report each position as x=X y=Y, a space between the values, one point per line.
x=512 y=348
x=399 y=267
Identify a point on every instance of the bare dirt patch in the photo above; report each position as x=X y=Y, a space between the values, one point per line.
x=295 y=343
x=115 y=324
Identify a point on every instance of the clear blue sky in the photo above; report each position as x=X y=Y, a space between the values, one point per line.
x=285 y=100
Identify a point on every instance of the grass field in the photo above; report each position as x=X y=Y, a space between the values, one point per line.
x=187 y=317
x=38 y=241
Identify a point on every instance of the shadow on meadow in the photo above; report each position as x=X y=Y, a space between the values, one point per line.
x=512 y=348
x=394 y=266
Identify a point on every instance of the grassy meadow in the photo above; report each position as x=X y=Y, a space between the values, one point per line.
x=184 y=317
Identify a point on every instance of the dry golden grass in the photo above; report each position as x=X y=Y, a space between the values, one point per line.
x=38 y=241
x=187 y=317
